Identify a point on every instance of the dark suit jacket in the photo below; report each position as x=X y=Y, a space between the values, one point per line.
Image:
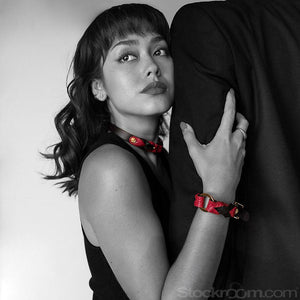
x=254 y=47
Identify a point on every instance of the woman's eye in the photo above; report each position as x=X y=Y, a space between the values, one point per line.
x=127 y=57
x=161 y=52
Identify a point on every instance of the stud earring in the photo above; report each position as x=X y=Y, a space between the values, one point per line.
x=100 y=95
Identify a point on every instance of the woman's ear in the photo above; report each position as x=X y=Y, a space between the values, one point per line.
x=99 y=90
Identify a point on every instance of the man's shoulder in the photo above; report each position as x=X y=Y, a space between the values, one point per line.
x=199 y=8
x=203 y=7
x=230 y=11
x=205 y=13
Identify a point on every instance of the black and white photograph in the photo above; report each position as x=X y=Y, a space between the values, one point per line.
x=149 y=150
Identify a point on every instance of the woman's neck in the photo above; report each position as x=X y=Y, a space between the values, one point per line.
x=146 y=127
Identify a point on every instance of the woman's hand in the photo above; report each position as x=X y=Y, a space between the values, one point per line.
x=219 y=163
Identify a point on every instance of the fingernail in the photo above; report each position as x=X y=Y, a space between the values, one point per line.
x=183 y=126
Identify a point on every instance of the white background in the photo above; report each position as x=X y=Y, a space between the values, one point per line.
x=41 y=245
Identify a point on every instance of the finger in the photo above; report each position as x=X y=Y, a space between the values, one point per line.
x=241 y=128
x=242 y=122
x=239 y=137
x=228 y=115
x=189 y=137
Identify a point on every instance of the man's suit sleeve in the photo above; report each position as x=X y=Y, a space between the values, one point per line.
x=203 y=75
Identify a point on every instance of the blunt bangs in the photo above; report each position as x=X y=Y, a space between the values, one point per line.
x=122 y=20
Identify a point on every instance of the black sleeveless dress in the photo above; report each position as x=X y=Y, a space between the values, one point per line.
x=103 y=281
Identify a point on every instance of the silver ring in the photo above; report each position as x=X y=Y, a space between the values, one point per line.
x=243 y=132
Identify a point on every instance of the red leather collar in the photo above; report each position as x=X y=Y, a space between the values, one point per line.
x=148 y=146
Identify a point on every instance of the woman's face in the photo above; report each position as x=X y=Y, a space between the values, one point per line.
x=138 y=76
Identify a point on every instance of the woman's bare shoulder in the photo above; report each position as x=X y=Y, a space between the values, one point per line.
x=109 y=171
x=106 y=157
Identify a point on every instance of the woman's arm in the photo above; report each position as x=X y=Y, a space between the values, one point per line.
x=219 y=164
x=115 y=199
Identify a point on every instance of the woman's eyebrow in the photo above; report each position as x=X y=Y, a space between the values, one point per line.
x=126 y=42
x=157 y=38
x=131 y=42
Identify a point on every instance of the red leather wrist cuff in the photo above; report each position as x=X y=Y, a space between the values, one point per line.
x=234 y=210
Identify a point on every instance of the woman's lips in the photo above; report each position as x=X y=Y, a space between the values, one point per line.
x=154 y=88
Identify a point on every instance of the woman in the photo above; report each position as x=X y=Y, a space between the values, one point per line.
x=112 y=156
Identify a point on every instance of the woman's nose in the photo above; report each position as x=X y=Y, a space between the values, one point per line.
x=152 y=68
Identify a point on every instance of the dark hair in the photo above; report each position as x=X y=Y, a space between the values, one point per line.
x=79 y=123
